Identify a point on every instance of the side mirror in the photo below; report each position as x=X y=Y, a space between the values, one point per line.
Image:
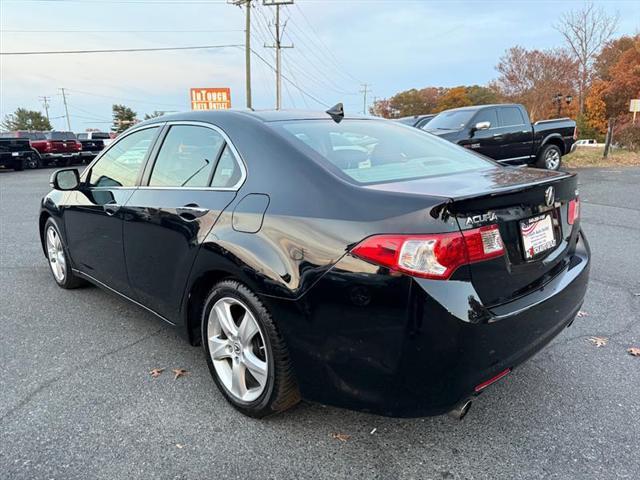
x=482 y=126
x=65 y=179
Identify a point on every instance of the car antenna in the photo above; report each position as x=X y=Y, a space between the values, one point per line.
x=336 y=112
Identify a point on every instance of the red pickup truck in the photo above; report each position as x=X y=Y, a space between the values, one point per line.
x=62 y=148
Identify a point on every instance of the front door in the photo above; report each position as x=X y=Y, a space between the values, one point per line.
x=486 y=142
x=194 y=177
x=93 y=214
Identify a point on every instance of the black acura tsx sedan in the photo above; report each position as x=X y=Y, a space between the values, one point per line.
x=351 y=261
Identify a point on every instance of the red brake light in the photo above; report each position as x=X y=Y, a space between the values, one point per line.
x=434 y=256
x=574 y=211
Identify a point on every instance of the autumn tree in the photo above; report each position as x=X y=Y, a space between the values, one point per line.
x=480 y=95
x=535 y=77
x=453 y=98
x=23 y=119
x=595 y=107
x=123 y=118
x=432 y=100
x=586 y=31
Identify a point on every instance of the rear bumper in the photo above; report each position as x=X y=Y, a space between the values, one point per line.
x=397 y=346
x=58 y=156
x=9 y=158
x=89 y=153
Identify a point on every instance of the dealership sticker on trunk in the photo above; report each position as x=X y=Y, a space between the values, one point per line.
x=537 y=235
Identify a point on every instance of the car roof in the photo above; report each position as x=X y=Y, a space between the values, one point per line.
x=262 y=115
x=478 y=107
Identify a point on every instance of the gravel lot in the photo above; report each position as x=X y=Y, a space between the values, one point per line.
x=77 y=401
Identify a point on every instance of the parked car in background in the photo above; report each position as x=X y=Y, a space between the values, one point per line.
x=92 y=144
x=505 y=133
x=418 y=121
x=588 y=142
x=61 y=148
x=16 y=151
x=401 y=276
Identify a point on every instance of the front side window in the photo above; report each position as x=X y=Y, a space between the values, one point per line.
x=371 y=151
x=488 y=115
x=187 y=157
x=451 y=120
x=511 y=116
x=122 y=163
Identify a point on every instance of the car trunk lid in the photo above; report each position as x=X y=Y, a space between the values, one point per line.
x=530 y=208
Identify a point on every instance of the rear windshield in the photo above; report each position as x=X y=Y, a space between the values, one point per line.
x=371 y=151
x=100 y=136
x=453 y=120
x=21 y=134
x=60 y=135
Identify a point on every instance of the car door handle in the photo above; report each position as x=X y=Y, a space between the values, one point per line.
x=191 y=212
x=111 y=208
x=496 y=135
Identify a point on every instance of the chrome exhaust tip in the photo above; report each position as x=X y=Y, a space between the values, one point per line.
x=461 y=410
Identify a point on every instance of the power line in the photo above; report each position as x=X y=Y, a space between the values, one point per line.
x=326 y=48
x=121 y=99
x=121 y=50
x=119 y=31
x=300 y=89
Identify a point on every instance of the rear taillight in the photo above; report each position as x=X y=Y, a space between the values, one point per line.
x=434 y=256
x=78 y=146
x=574 y=211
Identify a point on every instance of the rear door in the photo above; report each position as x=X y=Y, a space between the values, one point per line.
x=196 y=174
x=516 y=134
x=534 y=229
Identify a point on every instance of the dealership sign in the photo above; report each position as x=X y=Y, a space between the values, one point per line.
x=210 y=98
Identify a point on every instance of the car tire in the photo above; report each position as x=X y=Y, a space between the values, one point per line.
x=550 y=158
x=58 y=258
x=251 y=344
x=33 y=161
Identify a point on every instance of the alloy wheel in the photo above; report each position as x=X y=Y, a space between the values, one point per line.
x=55 y=252
x=32 y=162
x=237 y=349
x=552 y=159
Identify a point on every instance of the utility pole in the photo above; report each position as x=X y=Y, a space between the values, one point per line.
x=364 y=91
x=66 y=109
x=278 y=46
x=45 y=104
x=247 y=47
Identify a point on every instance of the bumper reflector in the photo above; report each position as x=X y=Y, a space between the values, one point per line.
x=486 y=383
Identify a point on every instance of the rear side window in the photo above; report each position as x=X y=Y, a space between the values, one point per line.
x=511 y=116
x=372 y=151
x=488 y=115
x=187 y=157
x=121 y=164
x=60 y=135
x=228 y=172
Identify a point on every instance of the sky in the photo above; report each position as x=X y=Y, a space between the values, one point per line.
x=338 y=45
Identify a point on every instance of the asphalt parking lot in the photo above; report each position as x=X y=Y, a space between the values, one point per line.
x=77 y=400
